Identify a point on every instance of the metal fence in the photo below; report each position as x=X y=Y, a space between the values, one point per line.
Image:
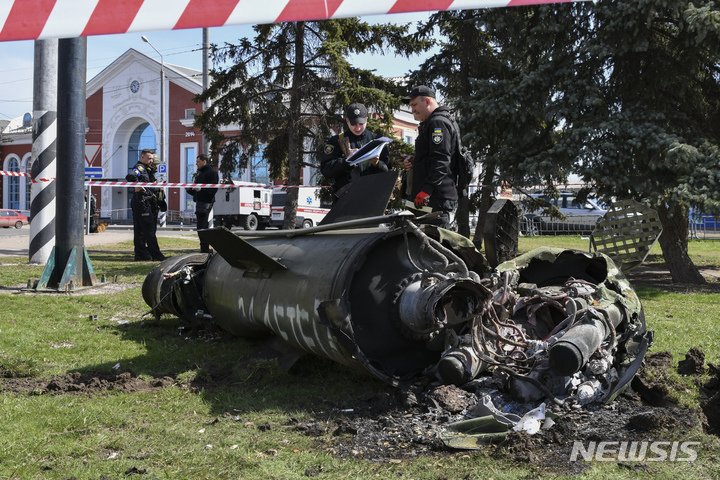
x=574 y=225
x=700 y=226
x=704 y=226
x=175 y=217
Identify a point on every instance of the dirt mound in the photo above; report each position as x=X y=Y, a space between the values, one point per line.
x=694 y=363
x=659 y=360
x=84 y=384
x=711 y=408
x=401 y=433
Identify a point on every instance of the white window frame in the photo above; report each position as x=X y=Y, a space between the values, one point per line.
x=184 y=147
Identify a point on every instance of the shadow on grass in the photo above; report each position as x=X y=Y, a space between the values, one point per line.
x=220 y=367
x=649 y=293
x=122 y=263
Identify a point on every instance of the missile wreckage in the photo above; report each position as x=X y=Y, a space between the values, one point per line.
x=410 y=303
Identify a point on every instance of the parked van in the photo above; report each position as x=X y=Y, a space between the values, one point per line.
x=310 y=211
x=247 y=206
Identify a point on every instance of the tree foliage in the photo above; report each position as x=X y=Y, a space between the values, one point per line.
x=504 y=88
x=648 y=113
x=285 y=91
x=624 y=93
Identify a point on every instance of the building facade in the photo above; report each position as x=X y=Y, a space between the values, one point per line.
x=126 y=112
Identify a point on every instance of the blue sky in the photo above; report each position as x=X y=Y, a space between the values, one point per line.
x=179 y=47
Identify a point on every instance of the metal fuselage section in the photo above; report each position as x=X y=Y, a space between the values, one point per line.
x=319 y=268
x=359 y=297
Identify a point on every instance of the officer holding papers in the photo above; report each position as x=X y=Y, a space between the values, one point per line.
x=354 y=152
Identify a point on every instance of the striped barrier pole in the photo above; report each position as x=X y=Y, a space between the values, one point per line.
x=42 y=194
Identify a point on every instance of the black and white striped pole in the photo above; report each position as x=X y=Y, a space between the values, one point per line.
x=42 y=193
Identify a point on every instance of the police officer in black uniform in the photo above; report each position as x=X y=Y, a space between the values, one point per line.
x=145 y=207
x=339 y=147
x=204 y=197
x=433 y=181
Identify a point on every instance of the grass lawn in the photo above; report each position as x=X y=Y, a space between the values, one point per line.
x=193 y=406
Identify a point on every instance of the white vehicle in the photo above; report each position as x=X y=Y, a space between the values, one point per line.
x=247 y=206
x=310 y=211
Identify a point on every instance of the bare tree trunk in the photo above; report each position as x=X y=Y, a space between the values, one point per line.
x=486 y=181
x=463 y=210
x=294 y=155
x=674 y=243
x=462 y=216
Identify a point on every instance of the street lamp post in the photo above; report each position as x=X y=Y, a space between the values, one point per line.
x=163 y=158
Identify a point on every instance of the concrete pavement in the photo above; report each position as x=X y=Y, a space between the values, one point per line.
x=18 y=245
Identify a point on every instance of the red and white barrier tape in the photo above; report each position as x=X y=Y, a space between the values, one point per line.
x=30 y=20
x=108 y=183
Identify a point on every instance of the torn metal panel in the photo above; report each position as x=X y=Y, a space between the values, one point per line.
x=627 y=233
x=500 y=233
x=579 y=320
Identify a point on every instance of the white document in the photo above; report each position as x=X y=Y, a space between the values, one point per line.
x=368 y=151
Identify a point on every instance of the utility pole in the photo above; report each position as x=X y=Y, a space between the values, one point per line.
x=206 y=103
x=206 y=80
x=163 y=216
x=69 y=265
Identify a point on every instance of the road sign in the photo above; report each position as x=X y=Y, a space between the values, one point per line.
x=162 y=168
x=93 y=172
x=91 y=152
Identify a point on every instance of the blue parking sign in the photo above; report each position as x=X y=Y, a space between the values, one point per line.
x=93 y=172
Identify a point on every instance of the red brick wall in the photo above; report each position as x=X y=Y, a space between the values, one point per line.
x=93 y=112
x=181 y=99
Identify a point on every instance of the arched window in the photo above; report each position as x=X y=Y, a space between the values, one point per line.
x=142 y=137
x=259 y=168
x=13 y=185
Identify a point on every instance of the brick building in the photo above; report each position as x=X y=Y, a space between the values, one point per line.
x=123 y=117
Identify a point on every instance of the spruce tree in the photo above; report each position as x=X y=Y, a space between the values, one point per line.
x=286 y=90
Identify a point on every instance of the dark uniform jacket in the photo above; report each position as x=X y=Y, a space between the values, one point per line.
x=333 y=165
x=206 y=174
x=434 y=148
x=146 y=174
x=141 y=173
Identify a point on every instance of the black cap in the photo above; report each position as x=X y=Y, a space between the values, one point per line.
x=419 y=91
x=356 y=113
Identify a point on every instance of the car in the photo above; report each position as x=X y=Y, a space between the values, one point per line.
x=12 y=218
x=581 y=218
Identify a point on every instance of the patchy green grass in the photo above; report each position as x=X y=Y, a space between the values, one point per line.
x=703 y=252
x=223 y=416
x=577 y=242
